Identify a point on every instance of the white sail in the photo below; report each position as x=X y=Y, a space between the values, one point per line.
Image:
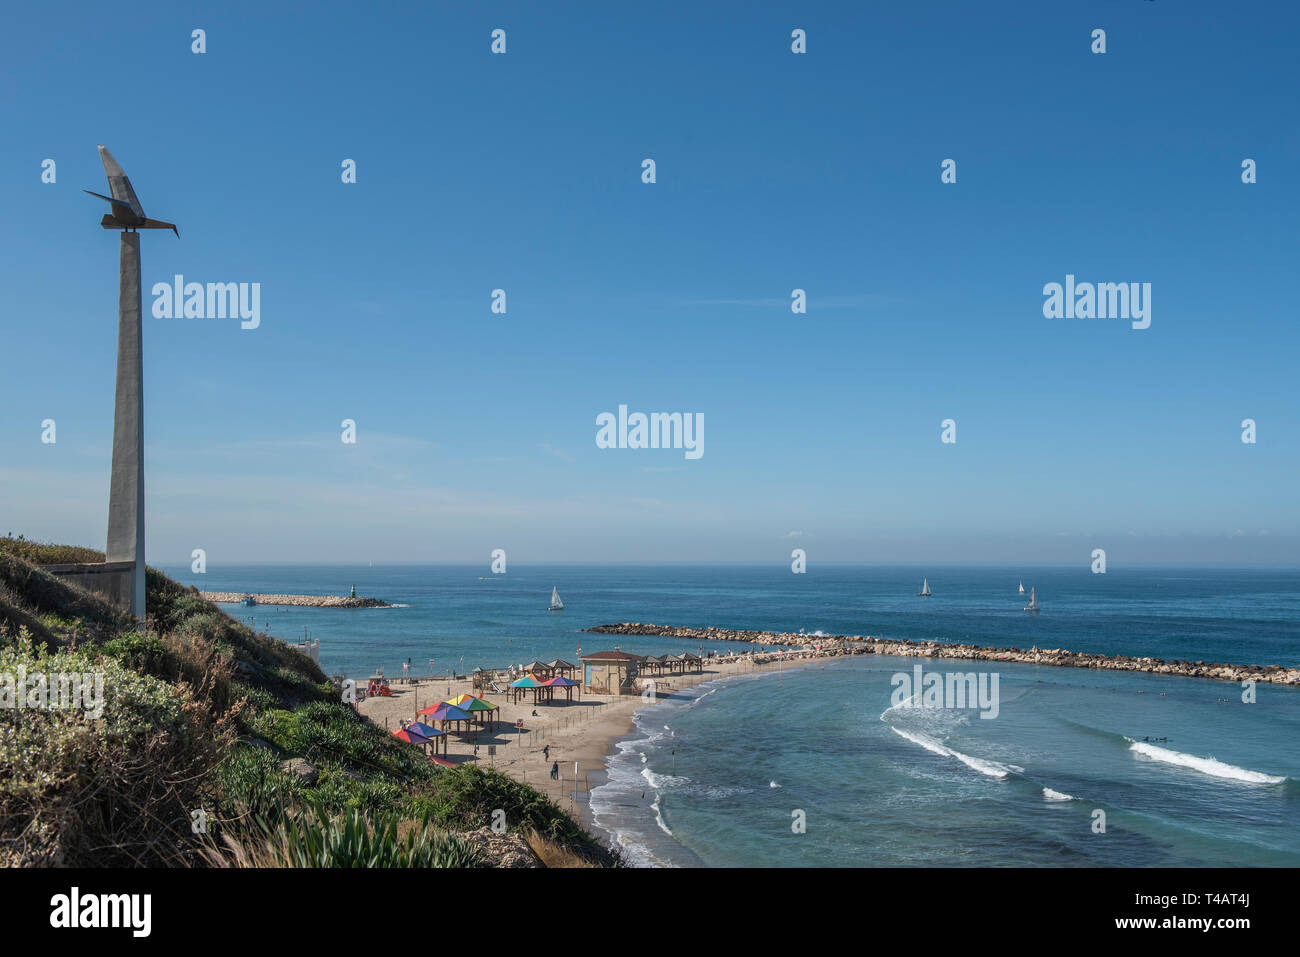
x=1033 y=602
x=1022 y=588
x=925 y=588
x=556 y=604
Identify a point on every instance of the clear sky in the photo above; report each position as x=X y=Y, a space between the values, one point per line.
x=775 y=171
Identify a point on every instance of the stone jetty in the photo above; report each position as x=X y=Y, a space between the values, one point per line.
x=1058 y=657
x=306 y=601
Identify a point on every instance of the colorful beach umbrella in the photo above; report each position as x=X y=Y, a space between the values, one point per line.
x=528 y=681
x=467 y=702
x=559 y=681
x=417 y=733
x=442 y=711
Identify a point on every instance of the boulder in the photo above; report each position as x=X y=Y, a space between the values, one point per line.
x=305 y=770
x=502 y=850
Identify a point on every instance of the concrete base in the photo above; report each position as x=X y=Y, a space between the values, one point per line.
x=112 y=580
x=126 y=487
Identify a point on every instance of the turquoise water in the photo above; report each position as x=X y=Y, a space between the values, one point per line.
x=715 y=775
x=908 y=786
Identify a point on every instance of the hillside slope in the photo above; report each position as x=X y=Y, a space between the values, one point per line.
x=210 y=727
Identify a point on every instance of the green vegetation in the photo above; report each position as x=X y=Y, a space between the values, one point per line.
x=43 y=553
x=202 y=713
x=350 y=840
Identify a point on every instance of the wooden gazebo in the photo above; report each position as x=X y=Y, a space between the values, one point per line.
x=560 y=681
x=422 y=734
x=561 y=667
x=445 y=713
x=529 y=682
x=481 y=711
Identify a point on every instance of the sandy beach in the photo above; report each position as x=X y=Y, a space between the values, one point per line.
x=581 y=732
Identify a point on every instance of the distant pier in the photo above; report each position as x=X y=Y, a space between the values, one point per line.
x=303 y=601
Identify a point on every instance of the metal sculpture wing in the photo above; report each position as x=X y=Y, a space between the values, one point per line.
x=127 y=212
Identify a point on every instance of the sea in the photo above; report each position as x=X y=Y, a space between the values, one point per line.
x=833 y=763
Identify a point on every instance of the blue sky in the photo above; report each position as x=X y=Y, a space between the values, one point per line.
x=775 y=171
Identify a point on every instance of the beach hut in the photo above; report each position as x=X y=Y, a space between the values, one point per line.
x=536 y=668
x=611 y=672
x=445 y=713
x=482 y=711
x=691 y=662
x=559 y=681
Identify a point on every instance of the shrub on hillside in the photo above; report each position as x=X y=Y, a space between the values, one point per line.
x=116 y=789
x=45 y=553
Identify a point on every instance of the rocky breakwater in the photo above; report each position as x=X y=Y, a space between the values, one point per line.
x=306 y=601
x=1057 y=657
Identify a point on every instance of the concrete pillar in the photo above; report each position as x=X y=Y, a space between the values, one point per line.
x=126 y=487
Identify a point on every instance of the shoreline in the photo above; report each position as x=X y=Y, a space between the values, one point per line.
x=589 y=730
x=301 y=601
x=908 y=648
x=586 y=731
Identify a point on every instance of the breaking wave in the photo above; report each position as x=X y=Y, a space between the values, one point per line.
x=990 y=769
x=1211 y=766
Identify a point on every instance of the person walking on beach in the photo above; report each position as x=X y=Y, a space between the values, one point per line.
x=546 y=752
x=555 y=770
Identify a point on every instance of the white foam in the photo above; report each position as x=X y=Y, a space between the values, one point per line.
x=773 y=784
x=659 y=818
x=906 y=702
x=661 y=781
x=1210 y=765
x=989 y=768
x=717 y=792
x=1051 y=795
x=637 y=854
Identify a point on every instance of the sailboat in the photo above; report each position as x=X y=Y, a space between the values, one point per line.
x=1032 y=607
x=925 y=589
x=556 y=604
x=1022 y=588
